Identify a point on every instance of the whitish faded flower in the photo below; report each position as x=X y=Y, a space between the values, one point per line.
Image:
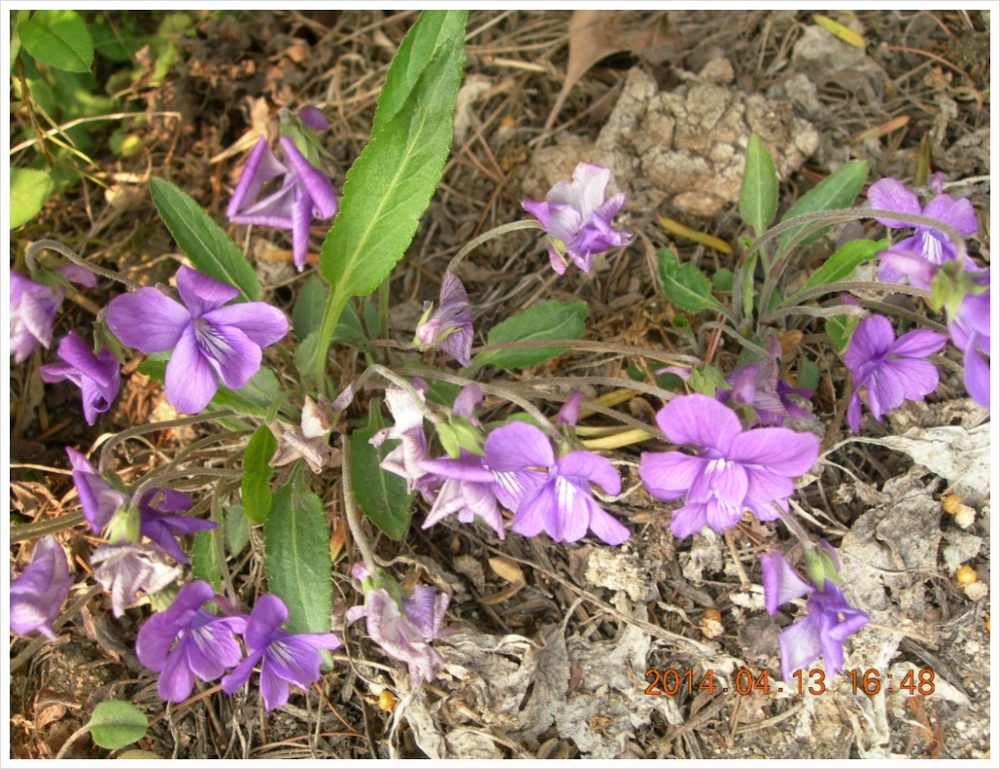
x=577 y=218
x=126 y=569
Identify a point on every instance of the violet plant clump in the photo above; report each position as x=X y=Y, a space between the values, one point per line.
x=739 y=437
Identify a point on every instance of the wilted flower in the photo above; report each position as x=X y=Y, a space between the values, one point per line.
x=305 y=193
x=309 y=441
x=891 y=370
x=96 y=375
x=37 y=594
x=828 y=622
x=287 y=657
x=577 y=218
x=186 y=640
x=125 y=569
x=549 y=494
x=758 y=385
x=210 y=341
x=449 y=326
x=98 y=499
x=406 y=628
x=405 y=460
x=930 y=243
x=732 y=470
x=33 y=309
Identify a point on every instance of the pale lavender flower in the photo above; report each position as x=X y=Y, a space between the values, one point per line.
x=449 y=326
x=405 y=630
x=467 y=490
x=186 y=640
x=549 y=494
x=33 y=309
x=781 y=582
x=96 y=375
x=758 y=385
x=37 y=594
x=98 y=499
x=287 y=657
x=891 y=370
x=125 y=569
x=163 y=529
x=577 y=218
x=210 y=341
x=732 y=470
x=305 y=193
x=930 y=243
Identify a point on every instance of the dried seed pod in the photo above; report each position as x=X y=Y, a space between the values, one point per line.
x=508 y=570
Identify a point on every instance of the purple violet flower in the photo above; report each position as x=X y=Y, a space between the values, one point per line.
x=449 y=326
x=126 y=569
x=186 y=640
x=96 y=375
x=98 y=499
x=210 y=341
x=891 y=370
x=405 y=631
x=33 y=309
x=287 y=657
x=577 y=218
x=37 y=594
x=829 y=618
x=970 y=332
x=733 y=469
x=549 y=494
x=305 y=194
x=163 y=529
x=930 y=243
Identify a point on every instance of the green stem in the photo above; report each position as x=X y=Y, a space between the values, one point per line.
x=503 y=229
x=352 y=514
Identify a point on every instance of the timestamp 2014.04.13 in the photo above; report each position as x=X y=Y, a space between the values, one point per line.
x=671 y=681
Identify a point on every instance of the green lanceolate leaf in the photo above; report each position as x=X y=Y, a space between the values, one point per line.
x=416 y=51
x=838 y=190
x=236 y=530
x=297 y=556
x=58 y=38
x=380 y=495
x=389 y=187
x=29 y=189
x=115 y=724
x=840 y=328
x=256 y=485
x=204 y=242
x=308 y=311
x=759 y=190
x=685 y=285
x=844 y=261
x=205 y=561
x=548 y=320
